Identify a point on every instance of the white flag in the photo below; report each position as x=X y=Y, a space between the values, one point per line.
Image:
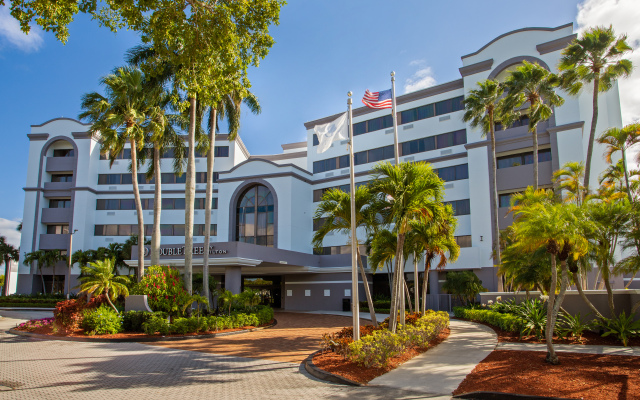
x=328 y=133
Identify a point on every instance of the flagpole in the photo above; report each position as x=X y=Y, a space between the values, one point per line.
x=355 y=305
x=394 y=116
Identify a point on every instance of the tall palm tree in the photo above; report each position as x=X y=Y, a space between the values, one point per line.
x=98 y=277
x=37 y=256
x=594 y=58
x=561 y=229
x=532 y=84
x=228 y=108
x=406 y=192
x=121 y=117
x=8 y=253
x=435 y=237
x=620 y=140
x=335 y=207
x=52 y=258
x=483 y=108
x=569 y=178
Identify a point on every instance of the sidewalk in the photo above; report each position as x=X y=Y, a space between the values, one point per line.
x=573 y=348
x=363 y=315
x=439 y=371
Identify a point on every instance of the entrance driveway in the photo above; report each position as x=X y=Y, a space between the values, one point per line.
x=294 y=337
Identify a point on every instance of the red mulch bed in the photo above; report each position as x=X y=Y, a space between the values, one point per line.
x=587 y=376
x=48 y=330
x=588 y=338
x=335 y=364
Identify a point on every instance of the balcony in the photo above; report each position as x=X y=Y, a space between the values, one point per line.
x=61 y=164
x=58 y=186
x=56 y=215
x=53 y=242
x=522 y=176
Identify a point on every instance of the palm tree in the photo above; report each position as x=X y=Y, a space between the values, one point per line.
x=434 y=237
x=52 y=257
x=560 y=228
x=483 y=108
x=531 y=83
x=8 y=253
x=406 y=192
x=569 y=178
x=229 y=107
x=335 y=207
x=120 y=117
x=98 y=277
x=594 y=58
x=37 y=256
x=621 y=140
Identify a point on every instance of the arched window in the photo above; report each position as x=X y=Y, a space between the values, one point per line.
x=255 y=216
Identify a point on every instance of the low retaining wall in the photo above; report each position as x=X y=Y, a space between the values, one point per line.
x=623 y=300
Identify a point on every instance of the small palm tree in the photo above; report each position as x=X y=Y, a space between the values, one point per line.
x=596 y=57
x=335 y=207
x=569 y=178
x=98 y=278
x=532 y=84
x=620 y=140
x=120 y=117
x=8 y=253
x=226 y=297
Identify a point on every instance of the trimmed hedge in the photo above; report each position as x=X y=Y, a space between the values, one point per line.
x=43 y=304
x=506 y=322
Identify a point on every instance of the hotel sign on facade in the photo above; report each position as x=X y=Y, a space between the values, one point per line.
x=173 y=251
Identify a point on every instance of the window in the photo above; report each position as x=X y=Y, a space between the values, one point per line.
x=463 y=241
x=450 y=105
x=255 y=214
x=165 y=230
x=416 y=114
x=359 y=128
x=434 y=142
x=198 y=230
x=451 y=139
x=60 y=203
x=504 y=200
x=315 y=140
x=453 y=173
x=57 y=229
x=62 y=178
x=522 y=121
x=63 y=153
x=318 y=193
x=317 y=223
x=108 y=179
x=128 y=204
x=516 y=160
x=460 y=207
x=222 y=151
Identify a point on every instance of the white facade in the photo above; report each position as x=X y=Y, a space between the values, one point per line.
x=296 y=173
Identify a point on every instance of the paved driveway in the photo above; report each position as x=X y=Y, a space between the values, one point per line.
x=49 y=369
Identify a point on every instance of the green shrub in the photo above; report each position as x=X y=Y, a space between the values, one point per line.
x=621 y=327
x=156 y=324
x=375 y=349
x=506 y=322
x=573 y=325
x=534 y=314
x=132 y=320
x=164 y=289
x=182 y=326
x=265 y=315
x=101 y=321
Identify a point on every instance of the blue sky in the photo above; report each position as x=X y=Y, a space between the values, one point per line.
x=323 y=49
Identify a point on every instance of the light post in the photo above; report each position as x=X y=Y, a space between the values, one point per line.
x=69 y=259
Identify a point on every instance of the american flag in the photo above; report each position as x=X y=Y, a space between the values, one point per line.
x=377 y=100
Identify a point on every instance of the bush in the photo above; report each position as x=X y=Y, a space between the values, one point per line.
x=264 y=314
x=376 y=349
x=182 y=326
x=132 y=320
x=506 y=322
x=101 y=321
x=573 y=325
x=156 y=324
x=463 y=284
x=534 y=314
x=69 y=313
x=164 y=289
x=621 y=327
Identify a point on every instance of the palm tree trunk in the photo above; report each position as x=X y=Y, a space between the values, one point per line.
x=595 y=283
x=416 y=286
x=5 y=289
x=626 y=175
x=607 y=284
x=136 y=195
x=189 y=197
x=53 y=281
x=207 y=204
x=578 y=279
x=396 y=295
x=535 y=157
x=592 y=131
x=630 y=280
x=44 y=288
x=425 y=280
x=408 y=294
x=494 y=205
x=551 y=353
x=157 y=206
x=367 y=292
x=106 y=292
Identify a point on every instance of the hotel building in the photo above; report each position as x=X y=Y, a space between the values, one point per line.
x=264 y=204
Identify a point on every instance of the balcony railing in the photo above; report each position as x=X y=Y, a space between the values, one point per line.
x=60 y=164
x=56 y=215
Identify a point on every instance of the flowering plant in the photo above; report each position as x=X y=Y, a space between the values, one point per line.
x=164 y=289
x=34 y=324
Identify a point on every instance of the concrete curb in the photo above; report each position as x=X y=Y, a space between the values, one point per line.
x=147 y=339
x=26 y=309
x=503 y=396
x=324 y=375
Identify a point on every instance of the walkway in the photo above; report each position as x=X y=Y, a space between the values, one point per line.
x=294 y=337
x=439 y=371
x=573 y=348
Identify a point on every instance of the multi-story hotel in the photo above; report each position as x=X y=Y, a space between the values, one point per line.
x=264 y=204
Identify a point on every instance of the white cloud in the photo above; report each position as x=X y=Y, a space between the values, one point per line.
x=421 y=79
x=8 y=230
x=10 y=32
x=624 y=16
